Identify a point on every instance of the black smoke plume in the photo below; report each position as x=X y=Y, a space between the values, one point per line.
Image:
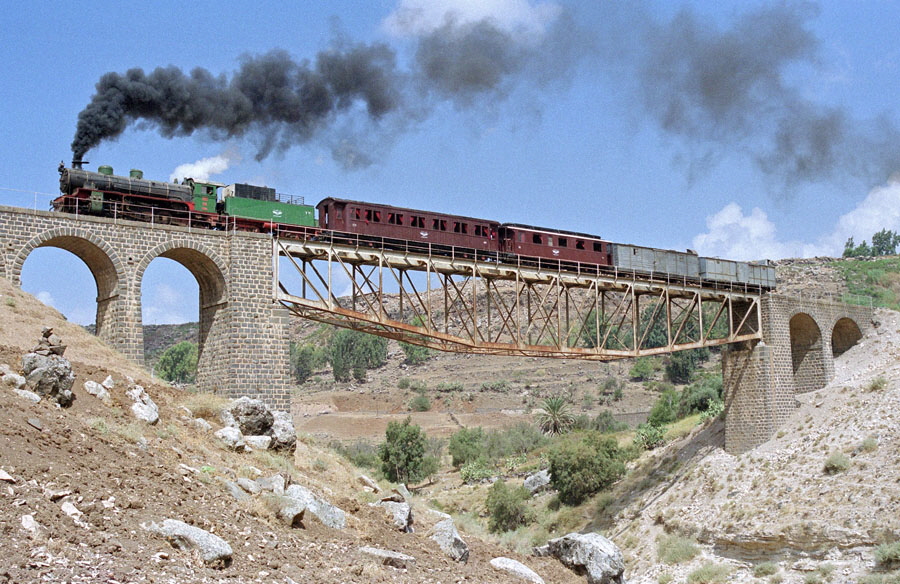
x=727 y=89
x=283 y=101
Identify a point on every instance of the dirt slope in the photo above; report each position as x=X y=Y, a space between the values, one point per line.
x=120 y=473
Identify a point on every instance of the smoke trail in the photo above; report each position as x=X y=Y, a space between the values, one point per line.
x=282 y=101
x=727 y=89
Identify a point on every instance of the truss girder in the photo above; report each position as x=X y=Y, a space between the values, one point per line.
x=470 y=306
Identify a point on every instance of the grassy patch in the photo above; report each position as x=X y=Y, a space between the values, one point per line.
x=888 y=554
x=205 y=405
x=879 y=279
x=709 y=574
x=765 y=569
x=675 y=549
x=836 y=462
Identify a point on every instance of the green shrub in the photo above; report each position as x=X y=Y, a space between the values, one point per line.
x=305 y=360
x=715 y=410
x=420 y=403
x=475 y=471
x=870 y=444
x=765 y=569
x=648 y=436
x=466 y=445
x=605 y=422
x=584 y=464
x=403 y=383
x=506 y=507
x=699 y=396
x=888 y=554
x=351 y=351
x=500 y=386
x=402 y=454
x=683 y=364
x=449 y=386
x=836 y=462
x=519 y=439
x=416 y=354
x=665 y=410
x=361 y=453
x=709 y=574
x=179 y=363
x=877 y=384
x=675 y=549
x=643 y=368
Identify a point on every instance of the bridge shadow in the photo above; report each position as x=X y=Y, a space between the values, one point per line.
x=655 y=474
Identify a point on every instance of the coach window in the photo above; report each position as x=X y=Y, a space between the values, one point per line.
x=598 y=247
x=460 y=227
x=563 y=242
x=395 y=218
x=356 y=213
x=536 y=238
x=579 y=244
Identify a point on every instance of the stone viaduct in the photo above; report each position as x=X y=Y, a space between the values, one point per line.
x=244 y=343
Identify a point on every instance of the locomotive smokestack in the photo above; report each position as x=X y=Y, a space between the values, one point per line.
x=77 y=162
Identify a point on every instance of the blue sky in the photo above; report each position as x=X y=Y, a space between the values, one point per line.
x=739 y=129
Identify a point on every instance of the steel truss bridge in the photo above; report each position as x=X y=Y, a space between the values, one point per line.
x=445 y=299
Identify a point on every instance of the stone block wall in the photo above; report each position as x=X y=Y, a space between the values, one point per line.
x=795 y=356
x=243 y=335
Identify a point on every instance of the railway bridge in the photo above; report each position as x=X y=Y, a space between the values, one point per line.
x=251 y=283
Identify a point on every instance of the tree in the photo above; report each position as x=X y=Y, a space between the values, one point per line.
x=351 y=351
x=402 y=454
x=506 y=507
x=682 y=364
x=584 y=464
x=642 y=369
x=554 y=416
x=305 y=359
x=466 y=445
x=885 y=243
x=179 y=363
x=665 y=410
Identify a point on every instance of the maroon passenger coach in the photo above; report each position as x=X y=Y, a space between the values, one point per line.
x=423 y=227
x=567 y=246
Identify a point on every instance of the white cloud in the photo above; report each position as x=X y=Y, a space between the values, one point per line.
x=518 y=17
x=45 y=297
x=732 y=234
x=202 y=169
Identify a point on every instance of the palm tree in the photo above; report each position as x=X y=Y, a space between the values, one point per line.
x=554 y=417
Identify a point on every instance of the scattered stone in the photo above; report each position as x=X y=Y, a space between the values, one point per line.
x=6 y=477
x=97 y=390
x=517 y=569
x=227 y=419
x=252 y=416
x=231 y=438
x=49 y=343
x=249 y=485
x=29 y=395
x=388 y=558
x=274 y=484
x=49 y=376
x=538 y=482
x=591 y=554
x=403 y=492
x=214 y=550
x=258 y=442
x=71 y=510
x=57 y=495
x=327 y=513
x=369 y=483
x=445 y=534
x=284 y=435
x=201 y=424
x=143 y=408
x=36 y=424
x=13 y=380
x=108 y=383
x=235 y=490
x=400 y=513
x=288 y=509
x=31 y=526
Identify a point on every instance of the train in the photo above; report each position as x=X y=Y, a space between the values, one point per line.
x=215 y=205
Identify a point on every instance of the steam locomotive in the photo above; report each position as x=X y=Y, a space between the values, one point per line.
x=255 y=208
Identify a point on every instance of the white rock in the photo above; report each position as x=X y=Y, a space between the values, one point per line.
x=29 y=395
x=231 y=437
x=258 y=442
x=108 y=383
x=96 y=390
x=143 y=408
x=517 y=569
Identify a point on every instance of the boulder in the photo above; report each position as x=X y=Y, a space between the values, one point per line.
x=445 y=534
x=590 y=554
x=517 y=569
x=143 y=408
x=400 y=513
x=252 y=416
x=368 y=483
x=249 y=485
x=97 y=390
x=388 y=558
x=231 y=438
x=234 y=490
x=284 y=435
x=108 y=383
x=327 y=513
x=274 y=483
x=29 y=395
x=288 y=509
x=13 y=380
x=49 y=376
x=537 y=482
x=201 y=424
x=214 y=550
x=258 y=442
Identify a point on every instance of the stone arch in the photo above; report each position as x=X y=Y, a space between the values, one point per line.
x=209 y=270
x=845 y=334
x=100 y=258
x=807 y=356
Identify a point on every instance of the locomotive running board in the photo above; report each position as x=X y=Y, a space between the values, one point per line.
x=467 y=305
